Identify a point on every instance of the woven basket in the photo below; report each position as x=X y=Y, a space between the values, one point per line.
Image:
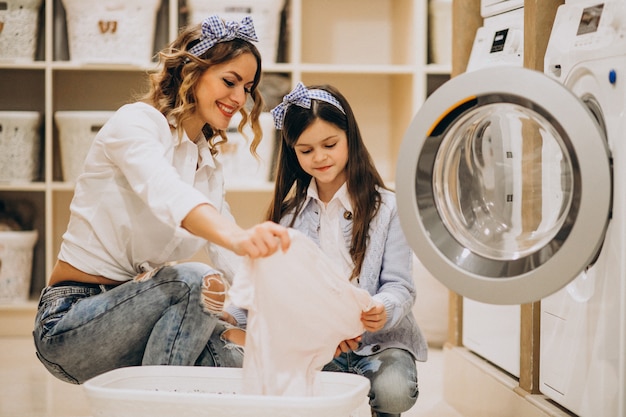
x=264 y=13
x=77 y=129
x=20 y=145
x=16 y=265
x=111 y=31
x=18 y=29
x=240 y=167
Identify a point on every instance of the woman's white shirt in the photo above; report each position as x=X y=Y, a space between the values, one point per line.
x=138 y=184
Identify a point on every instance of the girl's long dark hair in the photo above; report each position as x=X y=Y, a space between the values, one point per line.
x=362 y=181
x=172 y=88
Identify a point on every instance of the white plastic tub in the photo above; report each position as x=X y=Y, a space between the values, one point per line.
x=264 y=13
x=20 y=145
x=111 y=31
x=77 y=129
x=16 y=265
x=188 y=391
x=18 y=29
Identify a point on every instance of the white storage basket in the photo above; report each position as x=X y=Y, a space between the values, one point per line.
x=264 y=13
x=16 y=265
x=186 y=391
x=241 y=168
x=18 y=29
x=111 y=31
x=77 y=129
x=20 y=144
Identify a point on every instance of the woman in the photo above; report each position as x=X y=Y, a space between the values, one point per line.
x=151 y=195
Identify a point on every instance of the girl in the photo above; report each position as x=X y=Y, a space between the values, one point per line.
x=152 y=194
x=328 y=188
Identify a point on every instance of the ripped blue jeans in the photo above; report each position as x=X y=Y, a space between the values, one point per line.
x=393 y=378
x=83 y=330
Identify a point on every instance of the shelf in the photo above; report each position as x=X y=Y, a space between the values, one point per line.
x=357 y=69
x=31 y=186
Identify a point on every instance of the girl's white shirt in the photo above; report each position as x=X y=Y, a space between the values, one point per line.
x=138 y=183
x=332 y=241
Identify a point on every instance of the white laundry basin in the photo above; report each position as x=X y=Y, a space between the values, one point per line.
x=186 y=391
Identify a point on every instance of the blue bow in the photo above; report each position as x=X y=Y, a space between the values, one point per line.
x=215 y=30
x=301 y=96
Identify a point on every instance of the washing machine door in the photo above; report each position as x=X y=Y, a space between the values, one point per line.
x=504 y=185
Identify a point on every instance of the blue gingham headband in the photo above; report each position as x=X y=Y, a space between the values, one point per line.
x=301 y=96
x=215 y=30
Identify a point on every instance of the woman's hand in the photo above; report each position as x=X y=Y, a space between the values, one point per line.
x=347 y=345
x=261 y=240
x=258 y=241
x=375 y=318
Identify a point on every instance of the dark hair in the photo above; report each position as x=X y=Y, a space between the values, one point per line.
x=363 y=179
x=172 y=89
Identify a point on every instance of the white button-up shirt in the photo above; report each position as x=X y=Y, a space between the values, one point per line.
x=139 y=182
x=332 y=241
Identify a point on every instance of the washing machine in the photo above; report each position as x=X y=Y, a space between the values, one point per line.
x=583 y=342
x=563 y=242
x=493 y=331
x=503 y=224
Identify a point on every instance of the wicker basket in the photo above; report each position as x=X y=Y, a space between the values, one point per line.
x=111 y=31
x=240 y=167
x=77 y=129
x=16 y=265
x=264 y=13
x=18 y=29
x=20 y=144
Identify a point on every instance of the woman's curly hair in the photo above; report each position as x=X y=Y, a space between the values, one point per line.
x=172 y=88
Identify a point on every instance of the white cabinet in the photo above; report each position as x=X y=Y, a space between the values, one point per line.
x=374 y=51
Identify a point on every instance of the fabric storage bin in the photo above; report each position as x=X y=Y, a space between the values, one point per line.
x=186 y=391
x=240 y=166
x=111 y=31
x=16 y=264
x=77 y=129
x=20 y=144
x=264 y=13
x=18 y=29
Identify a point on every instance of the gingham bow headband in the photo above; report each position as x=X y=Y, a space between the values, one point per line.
x=301 y=96
x=215 y=30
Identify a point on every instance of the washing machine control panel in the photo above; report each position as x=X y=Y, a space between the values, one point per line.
x=585 y=32
x=500 y=41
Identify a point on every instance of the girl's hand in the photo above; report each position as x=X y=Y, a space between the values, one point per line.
x=347 y=346
x=375 y=318
x=261 y=240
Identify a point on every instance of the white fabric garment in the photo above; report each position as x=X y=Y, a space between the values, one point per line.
x=299 y=309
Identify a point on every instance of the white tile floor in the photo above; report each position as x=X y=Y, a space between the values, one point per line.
x=27 y=390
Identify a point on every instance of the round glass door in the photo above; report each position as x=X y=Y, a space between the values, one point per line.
x=503 y=185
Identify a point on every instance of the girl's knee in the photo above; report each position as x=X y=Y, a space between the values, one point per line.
x=394 y=391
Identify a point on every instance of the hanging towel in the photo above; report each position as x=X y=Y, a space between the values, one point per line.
x=299 y=309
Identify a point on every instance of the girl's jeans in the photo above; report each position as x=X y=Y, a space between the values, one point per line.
x=392 y=374
x=83 y=330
